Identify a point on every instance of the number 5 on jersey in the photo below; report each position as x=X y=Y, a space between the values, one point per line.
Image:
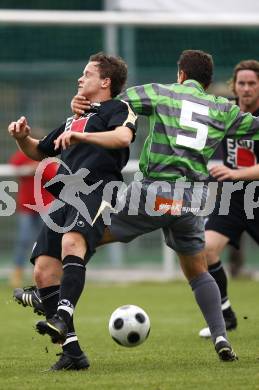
x=188 y=109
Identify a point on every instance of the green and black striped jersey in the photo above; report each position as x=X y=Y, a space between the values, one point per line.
x=186 y=125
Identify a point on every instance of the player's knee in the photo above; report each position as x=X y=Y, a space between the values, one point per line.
x=73 y=244
x=193 y=265
x=211 y=253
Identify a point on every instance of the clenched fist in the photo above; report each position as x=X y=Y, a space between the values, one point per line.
x=19 y=129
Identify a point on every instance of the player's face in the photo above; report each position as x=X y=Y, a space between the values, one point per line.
x=90 y=84
x=247 y=88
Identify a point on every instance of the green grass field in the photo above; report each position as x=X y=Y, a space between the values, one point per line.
x=173 y=357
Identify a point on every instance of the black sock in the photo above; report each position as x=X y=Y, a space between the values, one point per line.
x=50 y=297
x=217 y=271
x=71 y=345
x=72 y=285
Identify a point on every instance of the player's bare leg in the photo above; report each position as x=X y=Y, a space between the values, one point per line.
x=47 y=275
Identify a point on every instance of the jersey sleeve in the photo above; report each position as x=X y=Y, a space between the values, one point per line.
x=46 y=145
x=242 y=125
x=123 y=115
x=142 y=98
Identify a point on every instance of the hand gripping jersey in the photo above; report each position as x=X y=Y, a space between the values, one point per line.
x=186 y=126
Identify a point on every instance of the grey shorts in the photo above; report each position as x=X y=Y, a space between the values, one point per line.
x=183 y=232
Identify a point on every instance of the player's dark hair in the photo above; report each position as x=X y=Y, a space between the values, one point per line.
x=197 y=65
x=114 y=68
x=244 y=65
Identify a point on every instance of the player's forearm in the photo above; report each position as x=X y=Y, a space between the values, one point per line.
x=251 y=173
x=110 y=139
x=29 y=146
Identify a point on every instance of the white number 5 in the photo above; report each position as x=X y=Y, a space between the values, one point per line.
x=188 y=108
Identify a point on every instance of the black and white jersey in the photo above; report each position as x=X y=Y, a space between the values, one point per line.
x=240 y=153
x=103 y=163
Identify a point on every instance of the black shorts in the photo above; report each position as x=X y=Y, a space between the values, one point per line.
x=49 y=240
x=236 y=222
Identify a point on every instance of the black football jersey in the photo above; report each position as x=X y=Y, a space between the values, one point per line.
x=240 y=153
x=103 y=163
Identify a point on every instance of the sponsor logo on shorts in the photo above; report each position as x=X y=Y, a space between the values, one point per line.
x=168 y=206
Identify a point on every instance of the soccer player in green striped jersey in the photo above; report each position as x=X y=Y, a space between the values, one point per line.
x=186 y=124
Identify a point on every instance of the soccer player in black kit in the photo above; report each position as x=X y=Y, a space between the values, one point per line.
x=241 y=162
x=98 y=150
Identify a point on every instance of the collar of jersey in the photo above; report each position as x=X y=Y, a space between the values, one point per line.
x=194 y=83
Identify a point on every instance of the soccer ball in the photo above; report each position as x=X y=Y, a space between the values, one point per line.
x=129 y=325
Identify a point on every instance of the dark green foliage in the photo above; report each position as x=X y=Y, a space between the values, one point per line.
x=89 y=5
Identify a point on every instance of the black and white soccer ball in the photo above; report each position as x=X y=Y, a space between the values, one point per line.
x=129 y=325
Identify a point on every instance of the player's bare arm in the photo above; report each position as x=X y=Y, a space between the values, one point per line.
x=20 y=131
x=79 y=105
x=121 y=137
x=222 y=172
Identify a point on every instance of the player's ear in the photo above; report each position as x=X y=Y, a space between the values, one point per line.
x=106 y=83
x=181 y=76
